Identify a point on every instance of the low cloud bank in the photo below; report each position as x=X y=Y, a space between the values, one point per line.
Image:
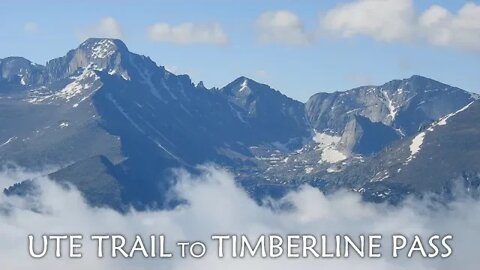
x=216 y=205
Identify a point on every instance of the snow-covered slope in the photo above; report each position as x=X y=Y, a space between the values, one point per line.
x=132 y=121
x=405 y=106
x=443 y=156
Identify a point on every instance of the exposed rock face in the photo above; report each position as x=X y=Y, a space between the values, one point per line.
x=102 y=100
x=18 y=71
x=406 y=105
x=131 y=121
x=274 y=115
x=445 y=152
x=361 y=136
x=100 y=54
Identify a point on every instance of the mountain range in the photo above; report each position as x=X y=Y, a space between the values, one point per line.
x=114 y=124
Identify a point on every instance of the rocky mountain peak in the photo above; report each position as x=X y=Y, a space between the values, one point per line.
x=123 y=122
x=201 y=85
x=103 y=47
x=405 y=104
x=20 y=71
x=103 y=54
x=241 y=85
x=246 y=88
x=101 y=51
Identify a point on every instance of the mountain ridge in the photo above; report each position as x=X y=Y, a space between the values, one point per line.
x=101 y=100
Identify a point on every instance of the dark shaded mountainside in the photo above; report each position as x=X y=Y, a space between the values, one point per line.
x=116 y=124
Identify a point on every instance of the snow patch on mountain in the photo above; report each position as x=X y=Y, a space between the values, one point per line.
x=417 y=142
x=81 y=85
x=8 y=141
x=381 y=176
x=103 y=49
x=78 y=86
x=159 y=145
x=334 y=169
x=443 y=120
x=37 y=95
x=391 y=108
x=64 y=124
x=416 y=145
x=327 y=144
x=325 y=140
x=330 y=155
x=244 y=86
x=124 y=74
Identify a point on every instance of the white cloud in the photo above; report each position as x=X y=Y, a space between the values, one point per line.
x=261 y=73
x=461 y=30
x=384 y=20
x=172 y=68
x=217 y=205
x=188 y=33
x=31 y=27
x=283 y=27
x=107 y=27
x=395 y=20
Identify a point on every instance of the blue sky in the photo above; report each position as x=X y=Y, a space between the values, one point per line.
x=298 y=47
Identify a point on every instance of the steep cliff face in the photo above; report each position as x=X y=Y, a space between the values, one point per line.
x=362 y=136
x=110 y=55
x=18 y=72
x=418 y=99
x=131 y=121
x=445 y=152
x=102 y=100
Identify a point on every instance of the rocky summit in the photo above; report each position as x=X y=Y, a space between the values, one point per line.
x=115 y=124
